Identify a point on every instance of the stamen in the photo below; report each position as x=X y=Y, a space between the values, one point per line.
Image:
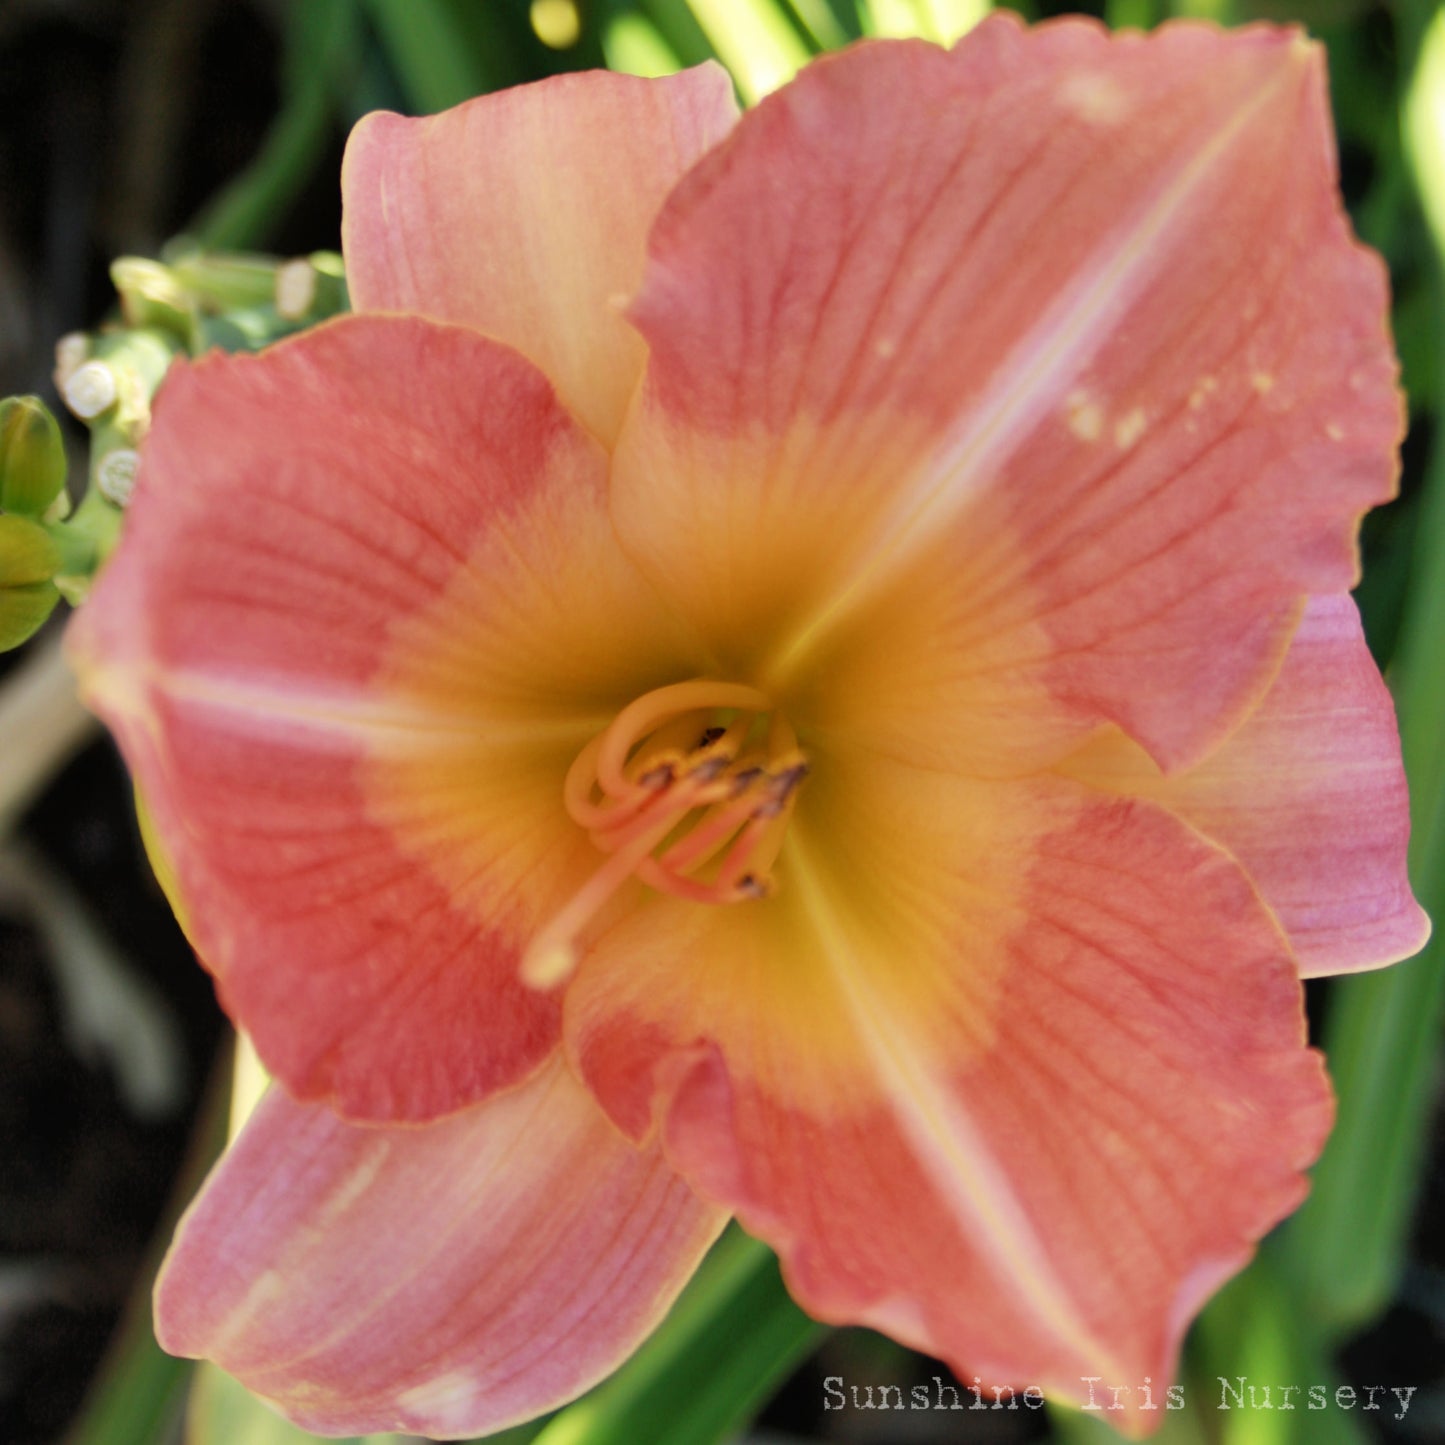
x=552 y=955
x=710 y=835
x=658 y=776
x=738 y=872
x=638 y=719
x=666 y=790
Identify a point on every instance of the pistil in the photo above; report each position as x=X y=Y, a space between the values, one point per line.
x=689 y=790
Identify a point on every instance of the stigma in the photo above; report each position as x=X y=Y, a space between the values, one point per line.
x=689 y=790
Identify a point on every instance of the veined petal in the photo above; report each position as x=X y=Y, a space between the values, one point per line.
x=447 y=1280
x=1021 y=1096
x=349 y=677
x=1079 y=315
x=525 y=214
x=1309 y=794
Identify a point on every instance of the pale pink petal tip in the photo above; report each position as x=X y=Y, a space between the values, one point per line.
x=446 y=1280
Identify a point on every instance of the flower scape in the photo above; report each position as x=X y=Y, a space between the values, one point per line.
x=795 y=667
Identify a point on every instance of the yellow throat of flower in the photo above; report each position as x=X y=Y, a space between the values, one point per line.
x=690 y=790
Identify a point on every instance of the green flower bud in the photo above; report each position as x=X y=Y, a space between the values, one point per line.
x=28 y=561
x=116 y=383
x=27 y=553
x=222 y=281
x=23 y=611
x=295 y=289
x=71 y=352
x=115 y=474
x=91 y=389
x=310 y=287
x=32 y=456
x=151 y=296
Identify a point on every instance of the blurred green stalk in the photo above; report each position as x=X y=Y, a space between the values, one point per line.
x=321 y=44
x=433 y=52
x=140 y=1391
x=634 y=46
x=221 y=1411
x=755 y=39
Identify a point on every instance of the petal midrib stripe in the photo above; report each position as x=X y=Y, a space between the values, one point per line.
x=948 y=1144
x=1034 y=379
x=339 y=715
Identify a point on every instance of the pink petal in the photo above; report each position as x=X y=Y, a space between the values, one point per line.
x=525 y=214
x=447 y=1280
x=349 y=678
x=1080 y=315
x=1309 y=795
x=1026 y=1119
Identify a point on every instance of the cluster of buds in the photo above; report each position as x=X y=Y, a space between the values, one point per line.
x=187 y=304
x=235 y=302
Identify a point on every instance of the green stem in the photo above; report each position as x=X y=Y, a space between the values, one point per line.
x=431 y=51
x=321 y=42
x=140 y=1391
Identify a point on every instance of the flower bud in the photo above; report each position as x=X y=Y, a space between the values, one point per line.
x=295 y=288
x=150 y=295
x=116 y=384
x=23 y=611
x=90 y=389
x=32 y=456
x=27 y=553
x=310 y=288
x=28 y=561
x=221 y=281
x=71 y=352
x=115 y=474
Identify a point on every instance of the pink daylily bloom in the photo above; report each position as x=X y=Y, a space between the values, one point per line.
x=796 y=668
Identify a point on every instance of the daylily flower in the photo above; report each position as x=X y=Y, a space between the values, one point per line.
x=796 y=667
